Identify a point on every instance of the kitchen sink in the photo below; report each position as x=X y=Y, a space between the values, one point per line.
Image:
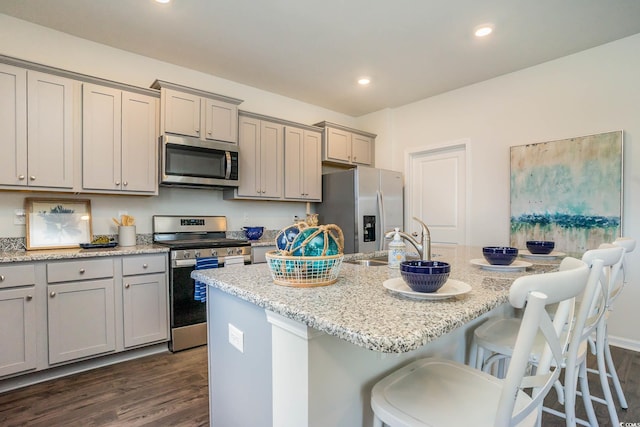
x=378 y=261
x=368 y=262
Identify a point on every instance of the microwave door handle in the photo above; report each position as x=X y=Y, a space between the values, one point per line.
x=227 y=174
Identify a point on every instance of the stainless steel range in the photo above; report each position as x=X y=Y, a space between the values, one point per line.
x=190 y=238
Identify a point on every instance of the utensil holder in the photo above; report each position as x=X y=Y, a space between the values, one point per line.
x=127 y=235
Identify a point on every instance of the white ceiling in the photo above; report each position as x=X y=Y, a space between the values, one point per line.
x=314 y=51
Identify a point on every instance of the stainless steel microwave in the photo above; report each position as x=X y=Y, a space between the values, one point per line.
x=191 y=162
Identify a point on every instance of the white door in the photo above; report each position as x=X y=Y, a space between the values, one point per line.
x=437 y=192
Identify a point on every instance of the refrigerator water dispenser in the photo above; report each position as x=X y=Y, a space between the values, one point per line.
x=369 y=228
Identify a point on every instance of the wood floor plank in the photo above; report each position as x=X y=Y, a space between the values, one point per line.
x=171 y=390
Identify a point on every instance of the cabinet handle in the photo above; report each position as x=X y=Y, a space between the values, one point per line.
x=32 y=178
x=125 y=183
x=1 y=278
x=21 y=177
x=118 y=183
x=145 y=266
x=29 y=298
x=52 y=294
x=210 y=133
x=127 y=285
x=82 y=271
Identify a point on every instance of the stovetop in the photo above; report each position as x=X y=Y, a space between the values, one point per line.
x=193 y=232
x=203 y=243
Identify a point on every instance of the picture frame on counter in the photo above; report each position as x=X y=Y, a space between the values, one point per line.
x=57 y=223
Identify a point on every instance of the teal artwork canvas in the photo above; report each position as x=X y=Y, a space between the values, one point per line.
x=568 y=191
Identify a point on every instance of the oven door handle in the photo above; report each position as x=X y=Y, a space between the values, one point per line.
x=227 y=155
x=185 y=262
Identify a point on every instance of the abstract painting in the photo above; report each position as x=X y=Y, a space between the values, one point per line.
x=568 y=191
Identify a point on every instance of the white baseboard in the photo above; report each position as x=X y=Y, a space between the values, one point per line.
x=625 y=343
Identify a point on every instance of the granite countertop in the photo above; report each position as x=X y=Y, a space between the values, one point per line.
x=71 y=253
x=358 y=309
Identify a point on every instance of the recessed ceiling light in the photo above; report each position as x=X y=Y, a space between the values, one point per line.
x=163 y=1
x=483 y=30
x=363 y=81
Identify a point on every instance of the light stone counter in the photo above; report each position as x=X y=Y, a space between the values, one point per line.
x=358 y=309
x=71 y=253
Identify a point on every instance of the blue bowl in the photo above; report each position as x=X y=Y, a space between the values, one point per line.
x=425 y=276
x=540 y=247
x=499 y=255
x=253 y=233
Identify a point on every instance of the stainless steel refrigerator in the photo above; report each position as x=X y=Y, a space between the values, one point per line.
x=365 y=202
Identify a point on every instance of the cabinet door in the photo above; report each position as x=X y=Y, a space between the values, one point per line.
x=271 y=159
x=101 y=138
x=13 y=125
x=338 y=145
x=248 y=158
x=50 y=125
x=17 y=330
x=361 y=149
x=312 y=165
x=81 y=319
x=181 y=113
x=139 y=143
x=221 y=120
x=145 y=309
x=293 y=163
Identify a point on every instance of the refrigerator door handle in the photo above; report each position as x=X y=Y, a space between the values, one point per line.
x=381 y=213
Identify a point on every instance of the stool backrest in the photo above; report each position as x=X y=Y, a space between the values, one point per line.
x=613 y=273
x=534 y=293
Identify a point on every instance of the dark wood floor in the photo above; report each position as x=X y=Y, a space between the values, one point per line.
x=161 y=390
x=171 y=390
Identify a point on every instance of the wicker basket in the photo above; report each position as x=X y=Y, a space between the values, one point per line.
x=304 y=272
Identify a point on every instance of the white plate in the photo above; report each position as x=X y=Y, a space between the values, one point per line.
x=514 y=266
x=524 y=253
x=450 y=289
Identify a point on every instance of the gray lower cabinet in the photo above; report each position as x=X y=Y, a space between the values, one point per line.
x=144 y=299
x=17 y=319
x=80 y=309
x=58 y=312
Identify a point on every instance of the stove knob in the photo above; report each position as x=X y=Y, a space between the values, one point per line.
x=197 y=254
x=214 y=253
x=186 y=255
x=239 y=251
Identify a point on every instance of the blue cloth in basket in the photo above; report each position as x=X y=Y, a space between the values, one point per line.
x=204 y=263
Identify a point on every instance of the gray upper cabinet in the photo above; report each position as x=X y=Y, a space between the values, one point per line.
x=344 y=145
x=37 y=124
x=279 y=160
x=261 y=157
x=13 y=125
x=196 y=113
x=302 y=164
x=119 y=141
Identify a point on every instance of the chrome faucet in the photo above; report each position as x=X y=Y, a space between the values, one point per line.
x=424 y=246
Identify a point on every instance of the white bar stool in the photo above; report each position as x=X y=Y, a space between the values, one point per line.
x=494 y=340
x=438 y=392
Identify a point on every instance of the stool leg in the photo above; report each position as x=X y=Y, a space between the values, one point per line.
x=586 y=394
x=614 y=376
x=602 y=372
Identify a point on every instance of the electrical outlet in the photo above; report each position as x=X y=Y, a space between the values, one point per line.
x=236 y=338
x=245 y=218
x=20 y=217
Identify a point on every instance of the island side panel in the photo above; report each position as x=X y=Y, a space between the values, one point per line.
x=239 y=382
x=321 y=380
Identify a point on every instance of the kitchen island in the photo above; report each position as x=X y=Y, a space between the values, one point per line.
x=283 y=356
